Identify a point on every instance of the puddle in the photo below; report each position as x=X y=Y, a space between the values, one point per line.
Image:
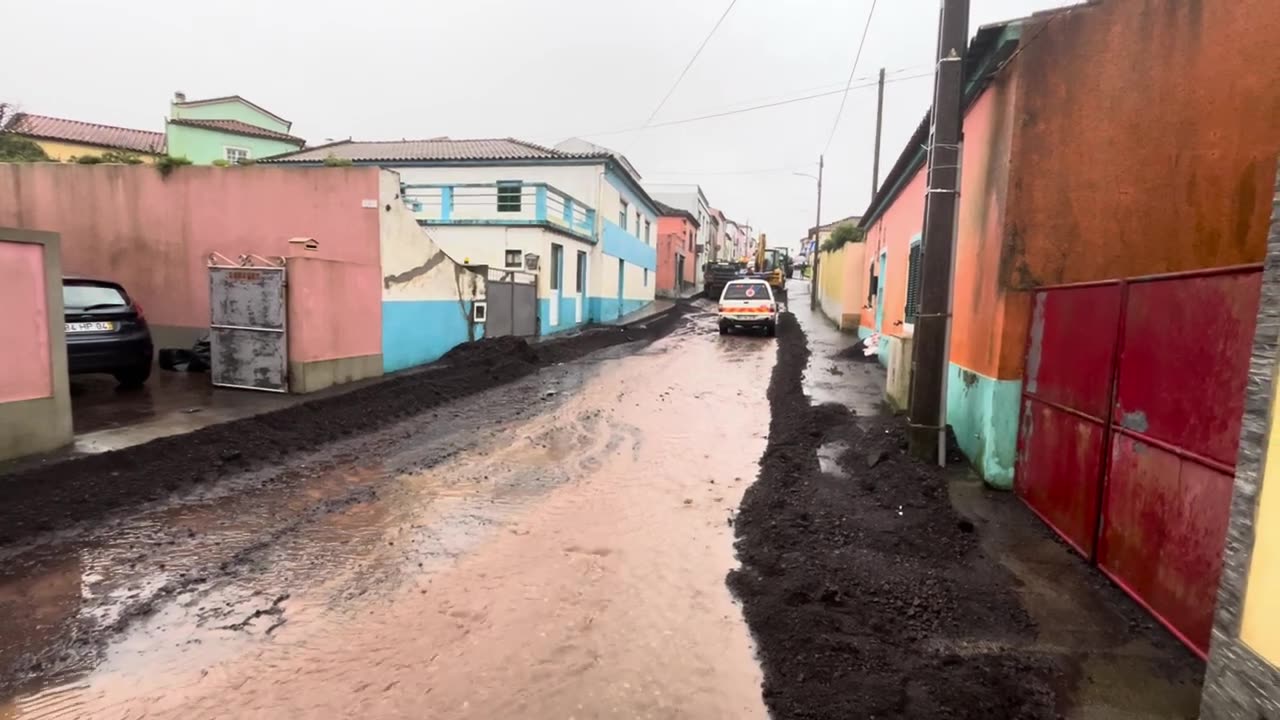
x=829 y=458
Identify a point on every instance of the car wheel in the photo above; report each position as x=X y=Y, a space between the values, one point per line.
x=134 y=376
x=724 y=329
x=771 y=330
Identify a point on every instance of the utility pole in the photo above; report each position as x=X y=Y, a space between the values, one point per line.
x=875 y=161
x=927 y=425
x=817 y=232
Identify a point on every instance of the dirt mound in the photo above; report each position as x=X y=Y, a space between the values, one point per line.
x=56 y=495
x=857 y=351
x=490 y=351
x=867 y=593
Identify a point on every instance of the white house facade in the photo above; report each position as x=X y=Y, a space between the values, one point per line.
x=574 y=221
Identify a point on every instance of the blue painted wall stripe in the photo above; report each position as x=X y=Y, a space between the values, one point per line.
x=416 y=332
x=623 y=245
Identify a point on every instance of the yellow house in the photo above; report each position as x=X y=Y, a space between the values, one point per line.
x=66 y=140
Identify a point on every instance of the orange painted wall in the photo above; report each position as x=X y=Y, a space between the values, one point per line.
x=982 y=307
x=1146 y=140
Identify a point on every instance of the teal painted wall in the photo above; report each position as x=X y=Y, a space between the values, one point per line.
x=608 y=309
x=230 y=110
x=202 y=146
x=983 y=412
x=624 y=245
x=415 y=332
x=568 y=309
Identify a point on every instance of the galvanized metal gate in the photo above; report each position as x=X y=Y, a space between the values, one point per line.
x=1130 y=420
x=248 y=334
x=511 y=299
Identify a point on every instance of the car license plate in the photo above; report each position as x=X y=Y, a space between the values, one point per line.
x=98 y=326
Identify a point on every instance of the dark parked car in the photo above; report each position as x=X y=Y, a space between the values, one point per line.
x=106 y=331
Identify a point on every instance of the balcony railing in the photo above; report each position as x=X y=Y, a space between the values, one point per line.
x=499 y=204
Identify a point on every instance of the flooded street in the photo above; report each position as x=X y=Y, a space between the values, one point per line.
x=552 y=548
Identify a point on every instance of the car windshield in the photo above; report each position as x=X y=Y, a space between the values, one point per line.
x=83 y=296
x=747 y=291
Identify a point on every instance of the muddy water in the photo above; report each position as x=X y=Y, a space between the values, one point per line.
x=566 y=559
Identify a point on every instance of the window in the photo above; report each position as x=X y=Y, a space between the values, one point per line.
x=646 y=232
x=509 y=192
x=913 y=285
x=235 y=154
x=872 y=284
x=78 y=296
x=622 y=215
x=637 y=223
x=582 y=272
x=646 y=277
x=557 y=265
x=747 y=291
x=514 y=259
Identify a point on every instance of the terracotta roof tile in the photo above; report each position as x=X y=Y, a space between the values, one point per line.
x=434 y=149
x=237 y=127
x=107 y=136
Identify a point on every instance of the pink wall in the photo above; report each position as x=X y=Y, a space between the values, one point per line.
x=892 y=232
x=675 y=237
x=335 y=309
x=25 y=371
x=153 y=233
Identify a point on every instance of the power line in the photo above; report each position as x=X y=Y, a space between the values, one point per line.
x=693 y=59
x=837 y=86
x=765 y=106
x=857 y=56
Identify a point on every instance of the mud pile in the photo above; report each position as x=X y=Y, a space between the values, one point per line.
x=56 y=495
x=867 y=594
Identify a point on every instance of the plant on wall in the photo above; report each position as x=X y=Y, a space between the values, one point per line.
x=167 y=163
x=121 y=156
x=19 y=149
x=844 y=234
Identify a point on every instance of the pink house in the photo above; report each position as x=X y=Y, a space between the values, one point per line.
x=677 y=251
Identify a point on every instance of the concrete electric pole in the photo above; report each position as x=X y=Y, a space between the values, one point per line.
x=927 y=428
x=817 y=233
x=875 y=161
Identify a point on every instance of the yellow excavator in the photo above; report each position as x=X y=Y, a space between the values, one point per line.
x=771 y=265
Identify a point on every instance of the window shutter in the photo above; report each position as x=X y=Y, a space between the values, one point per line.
x=913 y=285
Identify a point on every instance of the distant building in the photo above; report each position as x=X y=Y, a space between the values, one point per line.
x=226 y=128
x=677 y=252
x=66 y=140
x=690 y=198
x=572 y=219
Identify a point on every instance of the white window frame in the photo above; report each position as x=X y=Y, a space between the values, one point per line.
x=226 y=153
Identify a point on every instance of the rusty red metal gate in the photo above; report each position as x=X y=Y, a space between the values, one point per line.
x=1130 y=419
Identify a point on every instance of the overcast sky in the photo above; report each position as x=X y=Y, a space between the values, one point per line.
x=539 y=70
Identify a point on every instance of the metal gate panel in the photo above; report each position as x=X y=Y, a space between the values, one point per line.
x=525 y=318
x=1185 y=361
x=1180 y=383
x=498 y=309
x=1059 y=464
x=511 y=303
x=1162 y=536
x=1062 y=437
x=248 y=339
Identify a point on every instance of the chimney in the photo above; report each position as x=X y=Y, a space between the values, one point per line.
x=179 y=96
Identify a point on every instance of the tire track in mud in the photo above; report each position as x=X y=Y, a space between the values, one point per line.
x=49 y=497
x=205 y=583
